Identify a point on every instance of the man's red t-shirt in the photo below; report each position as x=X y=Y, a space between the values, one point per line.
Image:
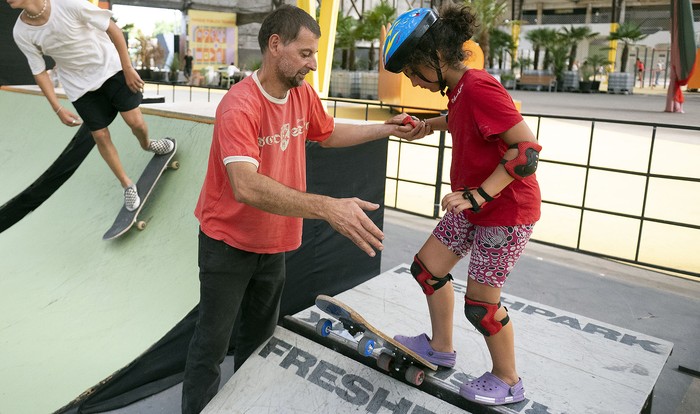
x=252 y=126
x=480 y=109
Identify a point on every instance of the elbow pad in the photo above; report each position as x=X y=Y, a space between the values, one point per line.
x=525 y=163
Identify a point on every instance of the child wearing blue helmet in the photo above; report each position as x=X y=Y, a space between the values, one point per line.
x=495 y=198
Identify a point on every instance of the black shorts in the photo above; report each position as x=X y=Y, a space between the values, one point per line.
x=98 y=108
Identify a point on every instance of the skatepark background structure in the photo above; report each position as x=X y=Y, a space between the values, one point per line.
x=79 y=309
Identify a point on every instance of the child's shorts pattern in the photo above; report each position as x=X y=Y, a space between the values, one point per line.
x=494 y=249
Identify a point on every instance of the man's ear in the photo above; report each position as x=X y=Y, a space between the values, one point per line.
x=274 y=43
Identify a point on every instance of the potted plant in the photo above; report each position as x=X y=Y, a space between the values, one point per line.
x=175 y=68
x=508 y=79
x=627 y=33
x=559 y=54
x=597 y=63
x=144 y=55
x=586 y=84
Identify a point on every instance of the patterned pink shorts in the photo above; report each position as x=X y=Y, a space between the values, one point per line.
x=494 y=249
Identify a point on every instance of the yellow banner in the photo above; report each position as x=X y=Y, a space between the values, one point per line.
x=213 y=38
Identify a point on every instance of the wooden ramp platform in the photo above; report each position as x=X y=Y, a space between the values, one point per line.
x=569 y=363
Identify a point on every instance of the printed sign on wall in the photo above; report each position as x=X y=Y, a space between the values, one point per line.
x=213 y=38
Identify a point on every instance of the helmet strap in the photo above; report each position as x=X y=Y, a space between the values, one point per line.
x=436 y=59
x=440 y=80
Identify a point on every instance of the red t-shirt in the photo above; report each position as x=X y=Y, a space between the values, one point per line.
x=252 y=126
x=480 y=109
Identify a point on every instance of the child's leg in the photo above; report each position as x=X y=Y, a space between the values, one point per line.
x=439 y=261
x=494 y=252
x=501 y=345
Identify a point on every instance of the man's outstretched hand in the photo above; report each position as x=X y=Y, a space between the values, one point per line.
x=347 y=216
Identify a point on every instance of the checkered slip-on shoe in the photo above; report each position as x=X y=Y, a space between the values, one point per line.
x=132 y=201
x=161 y=146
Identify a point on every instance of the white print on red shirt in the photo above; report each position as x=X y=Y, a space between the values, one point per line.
x=454 y=98
x=286 y=132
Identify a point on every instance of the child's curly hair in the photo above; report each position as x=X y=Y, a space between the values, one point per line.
x=446 y=37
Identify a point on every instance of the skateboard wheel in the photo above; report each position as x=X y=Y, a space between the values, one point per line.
x=415 y=375
x=175 y=165
x=366 y=346
x=141 y=225
x=384 y=361
x=324 y=327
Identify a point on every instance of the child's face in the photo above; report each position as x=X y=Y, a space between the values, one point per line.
x=421 y=76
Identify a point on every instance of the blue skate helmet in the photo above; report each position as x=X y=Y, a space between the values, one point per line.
x=404 y=35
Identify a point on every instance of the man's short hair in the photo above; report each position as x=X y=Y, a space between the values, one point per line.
x=286 y=22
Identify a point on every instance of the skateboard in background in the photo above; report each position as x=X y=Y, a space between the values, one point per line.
x=148 y=180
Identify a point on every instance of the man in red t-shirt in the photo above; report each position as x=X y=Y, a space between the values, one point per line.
x=253 y=199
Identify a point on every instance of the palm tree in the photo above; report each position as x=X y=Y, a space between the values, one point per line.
x=574 y=35
x=537 y=37
x=371 y=25
x=558 y=50
x=596 y=62
x=550 y=40
x=500 y=42
x=627 y=33
x=345 y=40
x=490 y=14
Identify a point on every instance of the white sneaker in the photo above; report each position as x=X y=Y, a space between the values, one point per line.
x=162 y=146
x=132 y=201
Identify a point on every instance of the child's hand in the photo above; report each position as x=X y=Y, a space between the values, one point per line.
x=410 y=120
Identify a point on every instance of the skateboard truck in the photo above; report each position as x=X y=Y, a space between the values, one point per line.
x=393 y=357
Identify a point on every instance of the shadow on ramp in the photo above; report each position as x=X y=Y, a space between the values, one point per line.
x=50 y=181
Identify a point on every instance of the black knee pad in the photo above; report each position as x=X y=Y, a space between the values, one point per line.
x=422 y=275
x=482 y=316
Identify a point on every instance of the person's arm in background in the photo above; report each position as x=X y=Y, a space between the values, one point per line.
x=43 y=80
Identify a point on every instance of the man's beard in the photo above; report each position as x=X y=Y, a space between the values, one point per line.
x=296 y=80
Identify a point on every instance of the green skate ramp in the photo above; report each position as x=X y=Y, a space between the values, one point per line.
x=79 y=313
x=75 y=308
x=32 y=138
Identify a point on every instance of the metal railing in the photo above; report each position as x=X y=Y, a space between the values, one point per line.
x=413 y=189
x=635 y=230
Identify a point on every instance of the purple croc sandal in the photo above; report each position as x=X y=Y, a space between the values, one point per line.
x=491 y=390
x=421 y=345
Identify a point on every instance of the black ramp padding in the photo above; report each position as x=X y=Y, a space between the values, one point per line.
x=327 y=262
x=159 y=368
x=291 y=374
x=569 y=363
x=50 y=181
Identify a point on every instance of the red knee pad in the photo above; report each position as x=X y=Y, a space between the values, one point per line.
x=483 y=316
x=422 y=275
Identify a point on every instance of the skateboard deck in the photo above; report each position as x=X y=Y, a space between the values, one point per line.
x=150 y=176
x=391 y=355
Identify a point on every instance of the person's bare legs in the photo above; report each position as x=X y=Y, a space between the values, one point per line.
x=108 y=151
x=134 y=119
x=501 y=345
x=438 y=260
